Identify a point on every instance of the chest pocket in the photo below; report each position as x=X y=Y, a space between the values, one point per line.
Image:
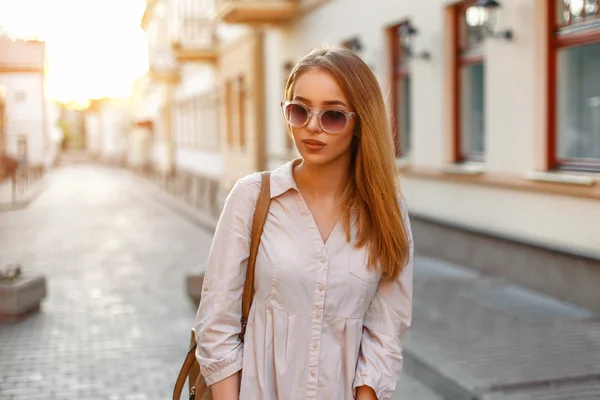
x=357 y=265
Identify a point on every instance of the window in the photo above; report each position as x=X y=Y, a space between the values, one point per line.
x=187 y=125
x=2 y=116
x=22 y=149
x=20 y=97
x=199 y=110
x=182 y=125
x=193 y=129
x=235 y=101
x=176 y=122
x=20 y=109
x=469 y=83
x=574 y=85
x=400 y=88
x=203 y=122
x=241 y=111
x=214 y=120
x=354 y=44
x=230 y=113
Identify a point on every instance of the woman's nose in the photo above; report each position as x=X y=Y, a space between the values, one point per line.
x=313 y=123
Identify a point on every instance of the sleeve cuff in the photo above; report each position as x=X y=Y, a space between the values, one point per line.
x=217 y=374
x=362 y=379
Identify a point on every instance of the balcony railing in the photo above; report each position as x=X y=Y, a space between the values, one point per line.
x=257 y=11
x=147 y=13
x=196 y=40
x=162 y=65
x=164 y=75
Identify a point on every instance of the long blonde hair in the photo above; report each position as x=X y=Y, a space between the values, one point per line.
x=373 y=191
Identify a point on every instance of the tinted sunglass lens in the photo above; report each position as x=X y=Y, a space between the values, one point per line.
x=333 y=121
x=296 y=114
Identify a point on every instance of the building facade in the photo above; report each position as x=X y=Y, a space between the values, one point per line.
x=495 y=108
x=182 y=97
x=108 y=128
x=28 y=117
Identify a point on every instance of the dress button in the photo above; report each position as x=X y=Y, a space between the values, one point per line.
x=321 y=287
x=323 y=260
x=318 y=315
x=315 y=346
x=312 y=373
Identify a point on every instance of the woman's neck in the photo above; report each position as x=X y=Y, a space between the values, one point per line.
x=323 y=181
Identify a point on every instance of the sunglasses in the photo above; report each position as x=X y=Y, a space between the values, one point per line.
x=331 y=120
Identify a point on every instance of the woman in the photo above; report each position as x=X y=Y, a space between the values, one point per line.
x=333 y=284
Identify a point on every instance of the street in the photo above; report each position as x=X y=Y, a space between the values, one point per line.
x=116 y=321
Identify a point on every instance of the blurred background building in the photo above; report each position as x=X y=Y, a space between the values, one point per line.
x=29 y=116
x=495 y=108
x=29 y=134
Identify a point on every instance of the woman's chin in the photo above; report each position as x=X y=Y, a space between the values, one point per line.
x=313 y=157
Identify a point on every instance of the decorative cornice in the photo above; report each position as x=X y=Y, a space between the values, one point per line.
x=147 y=13
x=16 y=69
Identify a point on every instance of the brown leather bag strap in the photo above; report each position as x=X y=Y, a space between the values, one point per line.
x=258 y=223
x=184 y=372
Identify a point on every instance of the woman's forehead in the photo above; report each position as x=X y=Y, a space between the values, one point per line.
x=319 y=87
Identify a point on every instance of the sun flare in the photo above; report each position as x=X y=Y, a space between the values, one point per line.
x=95 y=48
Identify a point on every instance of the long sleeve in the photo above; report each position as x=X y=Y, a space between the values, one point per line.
x=219 y=350
x=385 y=325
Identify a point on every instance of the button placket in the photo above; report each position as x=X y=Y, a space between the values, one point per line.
x=304 y=211
x=322 y=262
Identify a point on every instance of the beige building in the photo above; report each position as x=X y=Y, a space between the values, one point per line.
x=109 y=128
x=29 y=116
x=495 y=107
x=182 y=94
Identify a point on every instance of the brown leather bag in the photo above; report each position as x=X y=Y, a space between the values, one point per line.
x=198 y=389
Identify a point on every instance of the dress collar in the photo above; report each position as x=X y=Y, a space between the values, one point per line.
x=282 y=178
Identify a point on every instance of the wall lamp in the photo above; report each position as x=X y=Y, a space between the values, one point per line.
x=354 y=45
x=484 y=14
x=407 y=33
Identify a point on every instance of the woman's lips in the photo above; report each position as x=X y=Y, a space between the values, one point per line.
x=312 y=144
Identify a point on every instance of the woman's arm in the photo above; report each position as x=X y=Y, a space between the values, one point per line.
x=219 y=349
x=385 y=325
x=227 y=389
x=365 y=393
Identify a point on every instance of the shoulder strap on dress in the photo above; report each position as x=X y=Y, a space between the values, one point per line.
x=258 y=223
x=260 y=216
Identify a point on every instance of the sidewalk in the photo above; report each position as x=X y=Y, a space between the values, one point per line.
x=6 y=195
x=476 y=337
x=116 y=322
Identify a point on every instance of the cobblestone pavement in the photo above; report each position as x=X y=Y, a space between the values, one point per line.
x=115 y=324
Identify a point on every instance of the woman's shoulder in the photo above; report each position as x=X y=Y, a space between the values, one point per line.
x=402 y=202
x=248 y=186
x=403 y=206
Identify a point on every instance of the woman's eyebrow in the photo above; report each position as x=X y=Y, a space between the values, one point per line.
x=327 y=103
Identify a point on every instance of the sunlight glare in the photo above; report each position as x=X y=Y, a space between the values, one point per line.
x=96 y=48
